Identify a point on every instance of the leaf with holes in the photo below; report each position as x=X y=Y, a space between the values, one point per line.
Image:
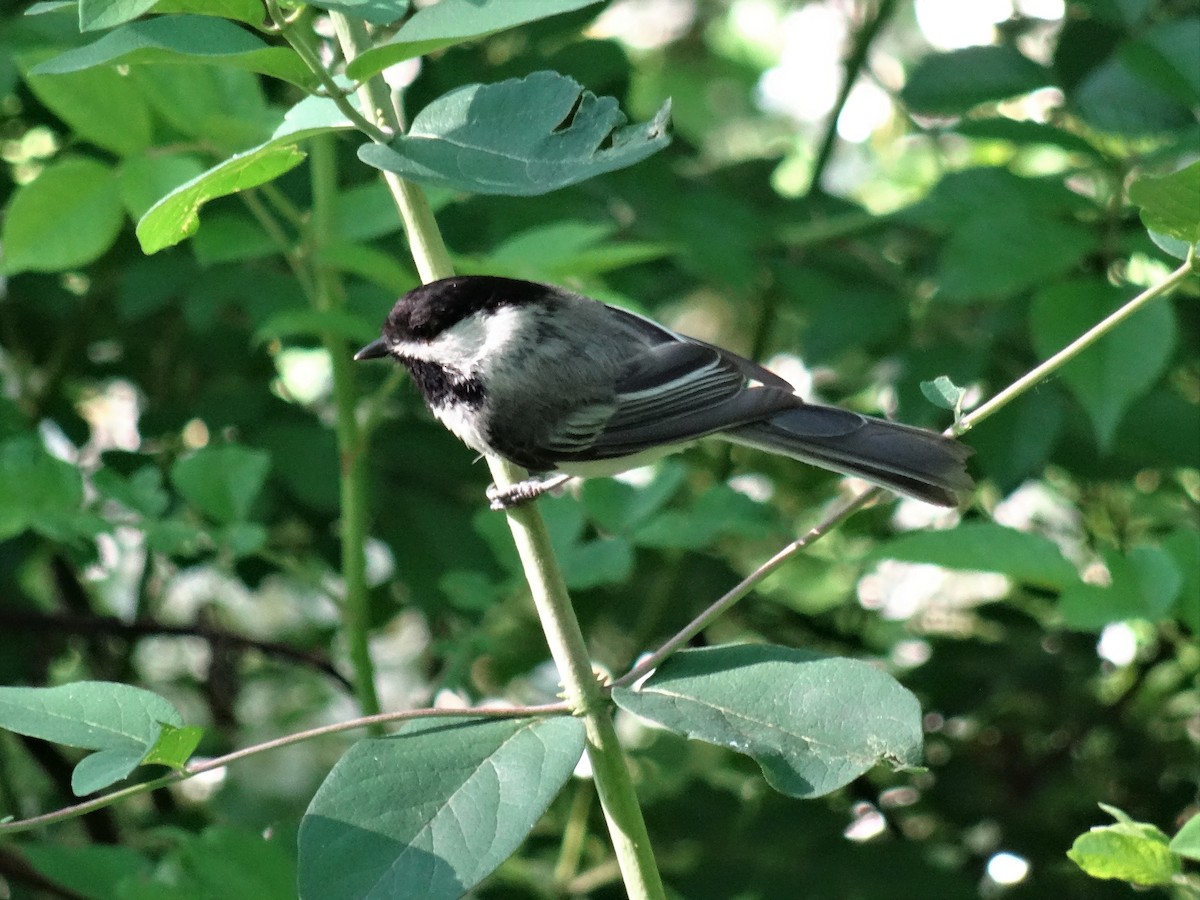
x=521 y=137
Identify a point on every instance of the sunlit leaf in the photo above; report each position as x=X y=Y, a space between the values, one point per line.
x=813 y=723
x=523 y=136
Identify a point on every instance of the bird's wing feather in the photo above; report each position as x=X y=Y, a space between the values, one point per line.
x=675 y=391
x=656 y=333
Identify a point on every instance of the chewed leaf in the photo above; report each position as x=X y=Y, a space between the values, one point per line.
x=520 y=137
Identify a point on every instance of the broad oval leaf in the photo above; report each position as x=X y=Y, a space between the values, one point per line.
x=101 y=106
x=37 y=490
x=429 y=812
x=222 y=482
x=451 y=22
x=120 y=721
x=1171 y=204
x=521 y=137
x=1120 y=367
x=986 y=547
x=194 y=39
x=97 y=15
x=949 y=84
x=813 y=723
x=66 y=217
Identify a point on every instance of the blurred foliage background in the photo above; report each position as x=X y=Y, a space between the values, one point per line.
x=867 y=195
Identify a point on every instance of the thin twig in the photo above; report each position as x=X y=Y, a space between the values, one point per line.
x=69 y=812
x=855 y=503
x=32 y=620
x=1073 y=349
x=299 y=43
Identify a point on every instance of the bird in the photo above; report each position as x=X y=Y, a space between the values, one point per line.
x=566 y=386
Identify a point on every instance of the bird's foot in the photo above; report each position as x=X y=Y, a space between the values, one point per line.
x=501 y=498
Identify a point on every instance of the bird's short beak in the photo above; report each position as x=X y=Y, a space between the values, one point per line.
x=377 y=349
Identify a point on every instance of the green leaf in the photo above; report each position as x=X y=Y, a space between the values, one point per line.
x=1024 y=133
x=1144 y=585
x=188 y=39
x=144 y=180
x=222 y=482
x=225 y=109
x=985 y=547
x=98 y=15
x=102 y=106
x=37 y=490
x=316 y=322
x=1108 y=376
x=120 y=721
x=453 y=22
x=1006 y=251
x=176 y=216
x=65 y=218
x=1184 y=547
x=522 y=137
x=428 y=813
x=1186 y=842
x=174 y=746
x=377 y=12
x=1167 y=57
x=238 y=864
x=812 y=723
x=142 y=492
x=562 y=249
x=1128 y=851
x=242 y=538
x=248 y=11
x=93 y=871
x=370 y=264
x=621 y=508
x=719 y=512
x=950 y=84
x=1113 y=99
x=944 y=393
x=1170 y=205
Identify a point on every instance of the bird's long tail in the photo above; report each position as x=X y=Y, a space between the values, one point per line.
x=908 y=460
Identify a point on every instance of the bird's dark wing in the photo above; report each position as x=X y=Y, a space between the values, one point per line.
x=656 y=333
x=674 y=391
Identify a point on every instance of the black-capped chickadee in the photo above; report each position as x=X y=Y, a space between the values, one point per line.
x=568 y=386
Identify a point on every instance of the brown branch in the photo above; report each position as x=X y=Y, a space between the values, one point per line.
x=92 y=625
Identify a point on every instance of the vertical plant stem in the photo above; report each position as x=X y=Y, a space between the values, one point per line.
x=854 y=65
x=581 y=689
x=352 y=470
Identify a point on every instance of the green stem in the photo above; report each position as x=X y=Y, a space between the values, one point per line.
x=1073 y=349
x=298 y=38
x=853 y=504
x=351 y=450
x=581 y=689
